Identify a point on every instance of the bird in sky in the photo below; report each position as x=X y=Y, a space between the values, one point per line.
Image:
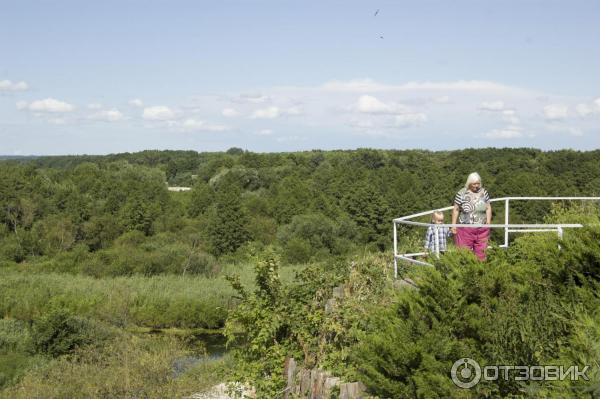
x=376 y=12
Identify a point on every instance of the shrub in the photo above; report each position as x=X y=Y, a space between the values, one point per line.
x=11 y=249
x=59 y=332
x=310 y=236
x=297 y=250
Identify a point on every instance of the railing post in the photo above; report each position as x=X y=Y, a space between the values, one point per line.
x=395 y=251
x=559 y=230
x=506 y=219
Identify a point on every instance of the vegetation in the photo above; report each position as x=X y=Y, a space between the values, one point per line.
x=531 y=305
x=98 y=259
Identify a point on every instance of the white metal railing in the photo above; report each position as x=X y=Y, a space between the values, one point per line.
x=508 y=228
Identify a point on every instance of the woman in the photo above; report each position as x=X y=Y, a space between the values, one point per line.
x=472 y=206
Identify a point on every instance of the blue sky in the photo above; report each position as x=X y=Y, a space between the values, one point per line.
x=112 y=76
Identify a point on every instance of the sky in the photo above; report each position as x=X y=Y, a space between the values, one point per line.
x=99 y=77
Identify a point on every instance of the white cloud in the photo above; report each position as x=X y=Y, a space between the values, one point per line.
x=254 y=98
x=266 y=113
x=371 y=105
x=94 y=106
x=556 y=111
x=230 y=113
x=111 y=115
x=441 y=100
x=7 y=85
x=136 y=102
x=583 y=110
x=197 y=125
x=510 y=132
x=510 y=116
x=597 y=103
x=369 y=85
x=159 y=113
x=294 y=111
x=570 y=130
x=47 y=105
x=57 y=121
x=498 y=107
x=492 y=106
x=362 y=124
x=408 y=120
x=355 y=85
x=264 y=132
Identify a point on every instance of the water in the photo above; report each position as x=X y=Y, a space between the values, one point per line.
x=211 y=348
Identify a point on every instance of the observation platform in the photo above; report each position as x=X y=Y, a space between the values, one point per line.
x=506 y=226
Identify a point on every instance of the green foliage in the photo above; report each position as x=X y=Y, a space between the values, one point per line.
x=62 y=218
x=202 y=197
x=51 y=205
x=228 y=223
x=127 y=367
x=532 y=304
x=258 y=325
x=158 y=302
x=523 y=307
x=314 y=236
x=59 y=332
x=369 y=210
x=277 y=320
x=15 y=350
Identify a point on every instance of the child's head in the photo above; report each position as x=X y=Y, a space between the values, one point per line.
x=437 y=217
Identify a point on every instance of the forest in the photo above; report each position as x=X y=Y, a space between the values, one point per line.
x=110 y=283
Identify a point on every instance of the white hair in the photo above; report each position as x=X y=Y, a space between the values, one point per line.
x=473 y=177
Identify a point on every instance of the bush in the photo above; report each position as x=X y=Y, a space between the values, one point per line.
x=312 y=236
x=59 y=332
x=297 y=250
x=11 y=249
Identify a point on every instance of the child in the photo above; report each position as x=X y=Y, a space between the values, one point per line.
x=436 y=237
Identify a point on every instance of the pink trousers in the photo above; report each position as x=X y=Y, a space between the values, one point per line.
x=475 y=239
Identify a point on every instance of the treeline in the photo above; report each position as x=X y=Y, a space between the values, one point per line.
x=113 y=215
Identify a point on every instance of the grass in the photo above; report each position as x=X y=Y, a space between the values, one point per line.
x=165 y=301
x=131 y=367
x=155 y=321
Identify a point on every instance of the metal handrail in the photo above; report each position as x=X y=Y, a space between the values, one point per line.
x=508 y=227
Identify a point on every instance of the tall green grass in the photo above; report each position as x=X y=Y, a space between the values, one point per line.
x=160 y=301
x=157 y=302
x=129 y=367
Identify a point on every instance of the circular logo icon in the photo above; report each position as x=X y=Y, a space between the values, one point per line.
x=466 y=373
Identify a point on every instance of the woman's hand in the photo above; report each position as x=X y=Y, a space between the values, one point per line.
x=455 y=212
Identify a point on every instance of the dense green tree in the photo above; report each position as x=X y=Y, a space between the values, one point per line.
x=369 y=210
x=291 y=196
x=201 y=198
x=228 y=223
